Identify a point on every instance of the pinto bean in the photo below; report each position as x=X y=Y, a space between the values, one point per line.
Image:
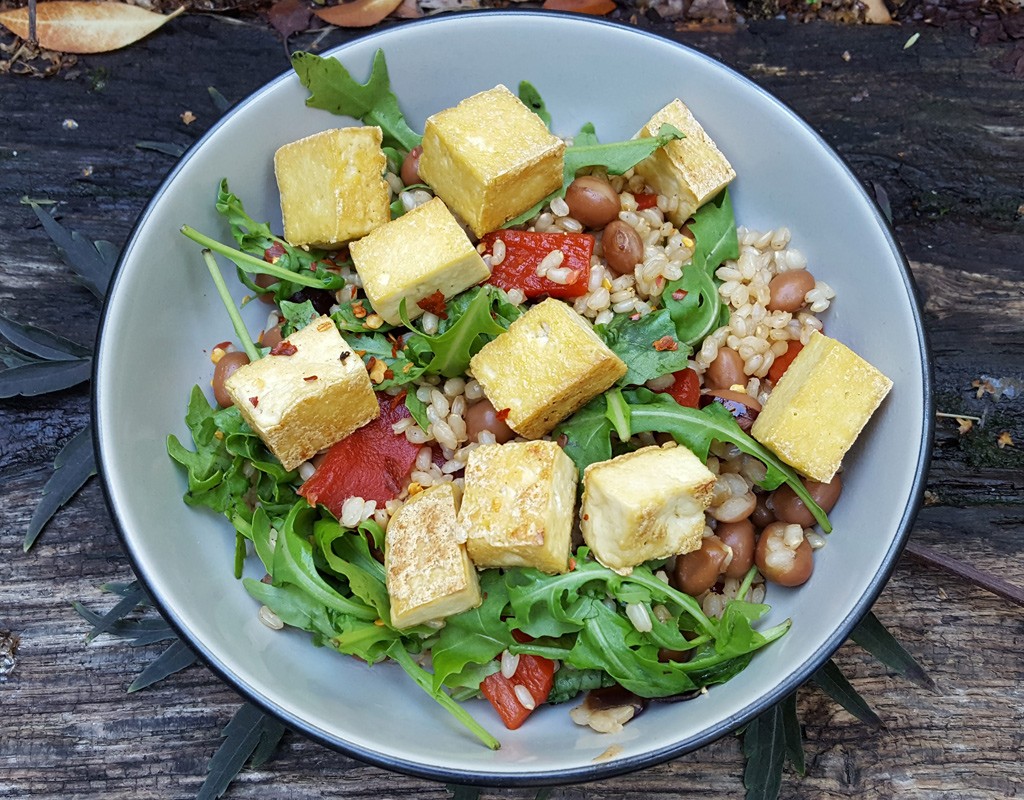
x=787 y=507
x=410 y=172
x=787 y=289
x=593 y=201
x=482 y=416
x=739 y=536
x=229 y=362
x=698 y=571
x=623 y=248
x=726 y=370
x=783 y=555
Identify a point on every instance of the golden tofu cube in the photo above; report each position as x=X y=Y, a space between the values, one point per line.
x=548 y=364
x=518 y=506
x=313 y=394
x=644 y=505
x=428 y=571
x=420 y=253
x=490 y=158
x=332 y=186
x=819 y=407
x=692 y=169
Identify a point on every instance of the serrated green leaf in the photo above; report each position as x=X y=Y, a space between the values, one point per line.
x=241 y=737
x=43 y=377
x=39 y=342
x=764 y=745
x=532 y=100
x=333 y=89
x=830 y=679
x=873 y=636
x=92 y=262
x=72 y=467
x=174 y=659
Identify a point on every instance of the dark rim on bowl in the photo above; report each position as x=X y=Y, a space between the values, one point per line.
x=614 y=767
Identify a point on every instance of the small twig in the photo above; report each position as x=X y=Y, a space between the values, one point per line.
x=947 y=415
x=32 y=21
x=972 y=575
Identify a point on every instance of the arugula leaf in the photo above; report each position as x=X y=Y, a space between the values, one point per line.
x=348 y=555
x=398 y=358
x=633 y=342
x=692 y=300
x=532 y=100
x=615 y=157
x=474 y=318
x=475 y=636
x=417 y=409
x=588 y=437
x=333 y=89
x=297 y=316
x=570 y=682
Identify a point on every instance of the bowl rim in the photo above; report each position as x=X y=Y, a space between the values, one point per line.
x=799 y=675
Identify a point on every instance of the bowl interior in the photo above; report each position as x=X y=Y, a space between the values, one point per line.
x=163 y=302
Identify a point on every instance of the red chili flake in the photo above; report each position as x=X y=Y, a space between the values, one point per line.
x=283 y=348
x=310 y=378
x=273 y=253
x=572 y=564
x=397 y=399
x=358 y=311
x=503 y=414
x=389 y=374
x=678 y=294
x=586 y=517
x=645 y=200
x=666 y=343
x=434 y=304
x=255 y=401
x=634 y=317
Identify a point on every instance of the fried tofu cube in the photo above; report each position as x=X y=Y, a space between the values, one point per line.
x=314 y=392
x=332 y=186
x=548 y=364
x=819 y=407
x=420 y=253
x=490 y=158
x=518 y=506
x=428 y=572
x=692 y=169
x=644 y=505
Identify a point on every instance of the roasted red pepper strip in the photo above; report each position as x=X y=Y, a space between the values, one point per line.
x=524 y=250
x=781 y=363
x=686 y=389
x=373 y=463
x=537 y=674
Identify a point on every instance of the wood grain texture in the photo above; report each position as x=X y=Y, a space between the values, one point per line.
x=936 y=127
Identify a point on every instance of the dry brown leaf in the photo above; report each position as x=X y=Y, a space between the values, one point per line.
x=358 y=14
x=1004 y=440
x=188 y=117
x=289 y=16
x=964 y=425
x=876 y=13
x=408 y=9
x=597 y=8
x=74 y=26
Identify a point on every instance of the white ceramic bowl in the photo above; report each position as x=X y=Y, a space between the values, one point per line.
x=163 y=315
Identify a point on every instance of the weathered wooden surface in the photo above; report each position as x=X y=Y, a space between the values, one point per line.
x=936 y=127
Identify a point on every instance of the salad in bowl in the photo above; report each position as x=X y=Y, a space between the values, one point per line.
x=522 y=412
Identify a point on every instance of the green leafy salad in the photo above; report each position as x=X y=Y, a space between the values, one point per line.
x=534 y=638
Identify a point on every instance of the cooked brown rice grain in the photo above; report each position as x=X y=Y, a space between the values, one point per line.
x=351 y=512
x=559 y=207
x=306 y=471
x=516 y=297
x=474 y=391
x=815 y=540
x=498 y=252
x=639 y=616
x=270 y=619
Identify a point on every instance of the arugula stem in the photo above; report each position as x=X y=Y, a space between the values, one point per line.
x=619 y=414
x=748 y=581
x=236 y=318
x=398 y=653
x=249 y=263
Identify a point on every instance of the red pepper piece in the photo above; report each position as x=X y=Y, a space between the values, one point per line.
x=373 y=462
x=781 y=363
x=686 y=389
x=537 y=674
x=645 y=200
x=524 y=250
